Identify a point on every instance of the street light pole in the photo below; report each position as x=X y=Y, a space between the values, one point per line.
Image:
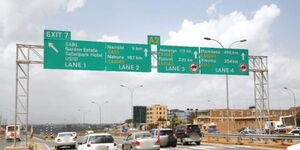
x=227 y=92
x=83 y=116
x=295 y=114
x=131 y=90
x=99 y=107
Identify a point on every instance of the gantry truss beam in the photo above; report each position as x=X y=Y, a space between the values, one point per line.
x=27 y=54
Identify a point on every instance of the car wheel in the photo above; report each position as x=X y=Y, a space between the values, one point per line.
x=57 y=147
x=73 y=147
x=198 y=143
x=184 y=142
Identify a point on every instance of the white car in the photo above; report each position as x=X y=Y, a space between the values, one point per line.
x=65 y=139
x=97 y=141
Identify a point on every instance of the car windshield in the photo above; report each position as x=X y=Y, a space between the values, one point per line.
x=101 y=139
x=143 y=135
x=65 y=135
x=166 y=132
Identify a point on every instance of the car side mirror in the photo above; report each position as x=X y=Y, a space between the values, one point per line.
x=79 y=143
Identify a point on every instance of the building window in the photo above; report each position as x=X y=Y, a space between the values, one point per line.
x=248 y=113
x=241 y=113
x=220 y=113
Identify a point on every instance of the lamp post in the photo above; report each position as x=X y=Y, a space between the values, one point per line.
x=295 y=115
x=227 y=95
x=99 y=106
x=83 y=115
x=131 y=90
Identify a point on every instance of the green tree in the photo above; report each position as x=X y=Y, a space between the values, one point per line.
x=191 y=117
x=128 y=121
x=152 y=126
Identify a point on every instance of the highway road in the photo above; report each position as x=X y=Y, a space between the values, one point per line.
x=203 y=146
x=4 y=143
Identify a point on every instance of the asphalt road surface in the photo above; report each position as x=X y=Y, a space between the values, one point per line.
x=4 y=143
x=203 y=146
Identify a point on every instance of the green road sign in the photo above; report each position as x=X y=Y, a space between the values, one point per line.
x=128 y=57
x=57 y=35
x=224 y=61
x=75 y=55
x=177 y=59
x=154 y=39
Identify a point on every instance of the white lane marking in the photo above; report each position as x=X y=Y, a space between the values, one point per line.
x=47 y=146
x=203 y=146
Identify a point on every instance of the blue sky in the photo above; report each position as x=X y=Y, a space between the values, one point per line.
x=270 y=26
x=159 y=17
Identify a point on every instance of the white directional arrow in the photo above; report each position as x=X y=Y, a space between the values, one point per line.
x=53 y=47
x=146 y=52
x=196 y=54
x=243 y=56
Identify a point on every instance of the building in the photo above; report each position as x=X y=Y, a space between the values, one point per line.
x=178 y=113
x=156 y=113
x=238 y=118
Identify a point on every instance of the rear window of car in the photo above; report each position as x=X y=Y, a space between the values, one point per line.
x=101 y=139
x=143 y=135
x=193 y=128
x=166 y=132
x=65 y=135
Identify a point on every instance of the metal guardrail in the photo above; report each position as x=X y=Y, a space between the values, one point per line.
x=258 y=137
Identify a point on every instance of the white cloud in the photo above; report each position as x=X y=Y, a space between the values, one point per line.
x=79 y=35
x=212 y=9
x=228 y=28
x=74 y=4
x=107 y=38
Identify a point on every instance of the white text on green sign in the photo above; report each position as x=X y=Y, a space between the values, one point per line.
x=57 y=35
x=177 y=59
x=224 y=61
x=75 y=55
x=128 y=57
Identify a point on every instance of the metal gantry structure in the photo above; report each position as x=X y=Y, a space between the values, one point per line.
x=259 y=66
x=27 y=55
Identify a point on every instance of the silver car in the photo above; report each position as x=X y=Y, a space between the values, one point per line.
x=141 y=141
x=166 y=136
x=65 y=139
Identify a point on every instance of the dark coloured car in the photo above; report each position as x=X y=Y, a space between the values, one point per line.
x=188 y=134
